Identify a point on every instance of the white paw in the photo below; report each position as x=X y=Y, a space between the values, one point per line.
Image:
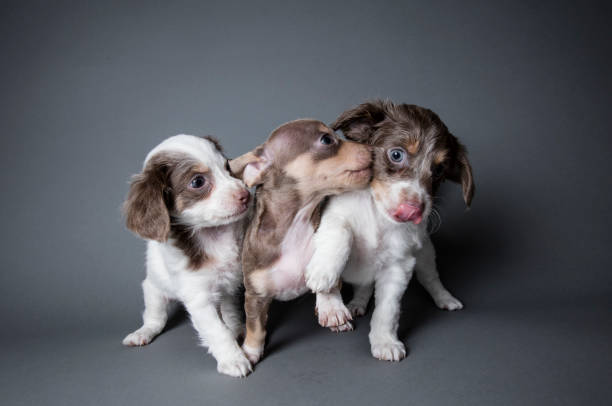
x=138 y=338
x=357 y=309
x=348 y=326
x=448 y=302
x=320 y=280
x=389 y=350
x=238 y=366
x=253 y=354
x=333 y=314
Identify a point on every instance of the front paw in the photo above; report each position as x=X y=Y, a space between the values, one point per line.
x=253 y=354
x=448 y=302
x=391 y=350
x=332 y=314
x=138 y=338
x=320 y=280
x=238 y=365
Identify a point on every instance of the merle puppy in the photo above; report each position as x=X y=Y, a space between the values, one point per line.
x=375 y=238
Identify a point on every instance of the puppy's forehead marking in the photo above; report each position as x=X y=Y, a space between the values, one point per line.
x=412 y=146
x=201 y=149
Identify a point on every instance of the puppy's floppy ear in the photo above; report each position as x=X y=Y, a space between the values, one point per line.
x=251 y=167
x=459 y=169
x=358 y=124
x=145 y=209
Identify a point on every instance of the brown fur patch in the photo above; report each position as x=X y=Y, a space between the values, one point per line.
x=413 y=147
x=189 y=242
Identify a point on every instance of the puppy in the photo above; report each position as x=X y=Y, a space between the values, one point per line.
x=375 y=238
x=191 y=211
x=300 y=164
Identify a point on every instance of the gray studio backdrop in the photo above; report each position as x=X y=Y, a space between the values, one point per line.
x=87 y=88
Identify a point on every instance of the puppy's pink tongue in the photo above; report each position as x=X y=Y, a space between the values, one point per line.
x=408 y=212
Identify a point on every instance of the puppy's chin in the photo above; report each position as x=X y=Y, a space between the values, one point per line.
x=219 y=220
x=233 y=217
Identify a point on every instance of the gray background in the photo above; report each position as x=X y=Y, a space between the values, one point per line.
x=87 y=88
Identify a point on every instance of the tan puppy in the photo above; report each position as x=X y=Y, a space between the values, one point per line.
x=300 y=164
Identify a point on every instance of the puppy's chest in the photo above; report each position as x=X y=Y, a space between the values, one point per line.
x=217 y=253
x=286 y=276
x=378 y=242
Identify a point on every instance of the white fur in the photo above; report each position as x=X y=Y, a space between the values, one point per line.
x=358 y=240
x=209 y=294
x=287 y=274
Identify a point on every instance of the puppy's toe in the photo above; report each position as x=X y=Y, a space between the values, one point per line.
x=449 y=302
x=348 y=326
x=238 y=366
x=357 y=309
x=138 y=338
x=389 y=350
x=333 y=314
x=253 y=354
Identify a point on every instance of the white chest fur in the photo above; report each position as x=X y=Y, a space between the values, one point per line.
x=377 y=242
x=170 y=269
x=287 y=274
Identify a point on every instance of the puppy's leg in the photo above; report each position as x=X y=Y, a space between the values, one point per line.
x=231 y=314
x=359 y=304
x=428 y=276
x=154 y=317
x=332 y=243
x=332 y=312
x=390 y=287
x=256 y=309
x=218 y=337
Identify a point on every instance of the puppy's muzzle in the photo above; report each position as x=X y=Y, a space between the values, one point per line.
x=409 y=211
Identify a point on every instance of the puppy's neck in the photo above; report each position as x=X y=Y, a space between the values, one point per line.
x=198 y=243
x=280 y=206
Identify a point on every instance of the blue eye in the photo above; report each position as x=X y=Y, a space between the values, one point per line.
x=396 y=155
x=197 y=182
x=326 y=139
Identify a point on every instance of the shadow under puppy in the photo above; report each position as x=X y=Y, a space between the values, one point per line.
x=192 y=212
x=301 y=163
x=374 y=238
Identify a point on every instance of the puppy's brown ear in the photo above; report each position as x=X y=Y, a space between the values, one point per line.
x=358 y=124
x=251 y=167
x=459 y=169
x=145 y=210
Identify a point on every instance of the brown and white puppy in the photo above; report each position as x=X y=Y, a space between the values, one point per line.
x=301 y=163
x=375 y=238
x=192 y=212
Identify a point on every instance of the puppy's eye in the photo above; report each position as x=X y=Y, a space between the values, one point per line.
x=197 y=182
x=396 y=155
x=326 y=139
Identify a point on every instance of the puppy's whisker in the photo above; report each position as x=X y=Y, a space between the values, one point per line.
x=435 y=221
